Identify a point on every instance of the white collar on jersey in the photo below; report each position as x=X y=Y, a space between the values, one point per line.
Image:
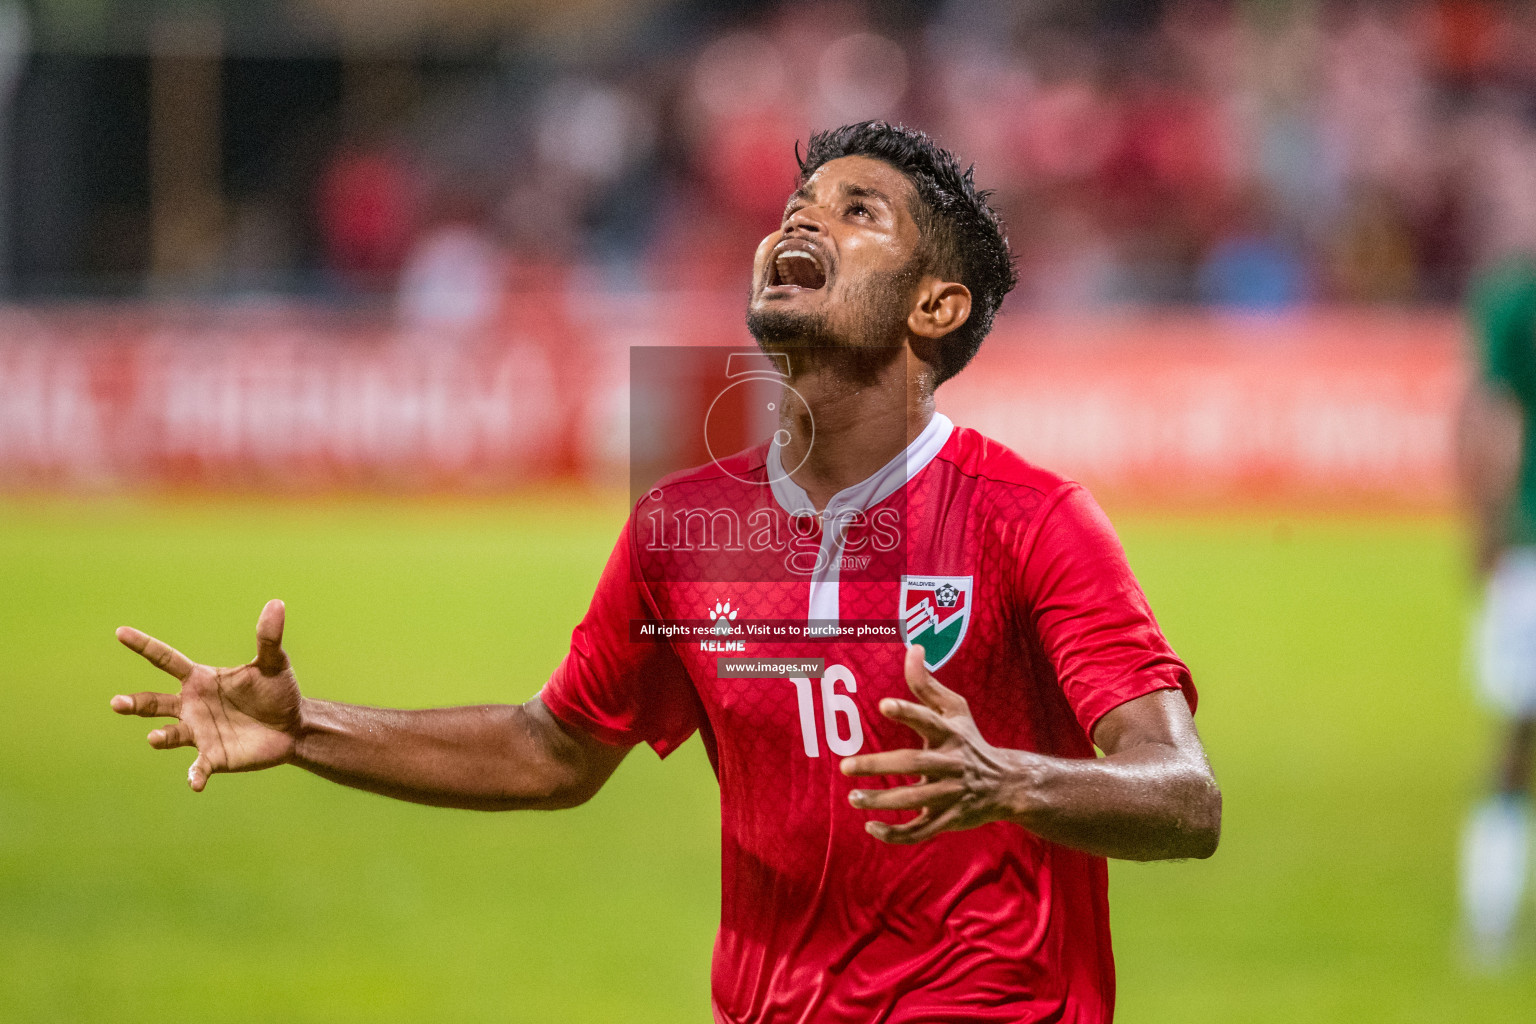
x=871 y=490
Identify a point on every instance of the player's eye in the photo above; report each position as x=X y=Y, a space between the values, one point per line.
x=857 y=209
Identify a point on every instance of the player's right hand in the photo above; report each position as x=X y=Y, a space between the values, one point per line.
x=239 y=719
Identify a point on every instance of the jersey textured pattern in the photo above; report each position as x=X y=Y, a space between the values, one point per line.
x=820 y=922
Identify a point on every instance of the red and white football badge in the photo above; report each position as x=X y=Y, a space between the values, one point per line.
x=934 y=612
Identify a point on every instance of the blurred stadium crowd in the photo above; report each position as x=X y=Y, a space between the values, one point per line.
x=1258 y=155
x=1254 y=156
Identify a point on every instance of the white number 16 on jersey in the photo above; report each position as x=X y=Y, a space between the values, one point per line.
x=834 y=706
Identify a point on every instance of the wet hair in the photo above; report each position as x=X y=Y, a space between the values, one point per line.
x=962 y=236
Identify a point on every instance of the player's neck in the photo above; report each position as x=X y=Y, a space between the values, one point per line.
x=853 y=428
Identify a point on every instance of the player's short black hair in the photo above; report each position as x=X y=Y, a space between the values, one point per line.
x=962 y=236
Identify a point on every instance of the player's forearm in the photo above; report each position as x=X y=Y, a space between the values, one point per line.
x=1490 y=536
x=1489 y=503
x=1488 y=451
x=488 y=757
x=1150 y=802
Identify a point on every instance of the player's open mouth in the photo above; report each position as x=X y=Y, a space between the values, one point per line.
x=796 y=265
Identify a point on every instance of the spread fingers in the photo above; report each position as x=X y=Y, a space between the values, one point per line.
x=170 y=736
x=148 y=705
x=162 y=655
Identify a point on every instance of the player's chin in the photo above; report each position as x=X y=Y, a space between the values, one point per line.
x=790 y=309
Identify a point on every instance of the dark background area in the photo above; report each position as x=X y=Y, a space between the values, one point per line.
x=1261 y=154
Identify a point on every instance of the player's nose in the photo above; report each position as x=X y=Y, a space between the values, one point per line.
x=804 y=221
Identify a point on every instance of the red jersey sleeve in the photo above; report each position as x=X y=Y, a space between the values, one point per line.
x=1090 y=613
x=617 y=689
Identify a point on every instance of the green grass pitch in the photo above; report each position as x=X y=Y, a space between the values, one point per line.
x=1328 y=652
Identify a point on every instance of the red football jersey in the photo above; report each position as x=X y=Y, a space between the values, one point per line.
x=1017 y=587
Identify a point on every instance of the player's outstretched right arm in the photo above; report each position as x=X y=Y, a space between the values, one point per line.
x=490 y=757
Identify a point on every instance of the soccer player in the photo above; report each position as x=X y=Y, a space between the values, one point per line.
x=1497 y=458
x=911 y=832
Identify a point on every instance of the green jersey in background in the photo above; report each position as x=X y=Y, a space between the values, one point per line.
x=1504 y=324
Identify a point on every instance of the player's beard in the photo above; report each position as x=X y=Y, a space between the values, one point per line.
x=876 y=313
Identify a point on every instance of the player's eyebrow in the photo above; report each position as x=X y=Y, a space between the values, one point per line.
x=803 y=194
x=865 y=192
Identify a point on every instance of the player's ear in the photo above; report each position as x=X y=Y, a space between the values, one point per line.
x=941 y=307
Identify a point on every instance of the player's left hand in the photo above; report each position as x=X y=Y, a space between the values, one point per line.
x=965 y=781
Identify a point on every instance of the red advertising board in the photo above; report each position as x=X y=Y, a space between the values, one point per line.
x=1331 y=407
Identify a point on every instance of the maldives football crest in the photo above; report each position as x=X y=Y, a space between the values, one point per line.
x=935 y=611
